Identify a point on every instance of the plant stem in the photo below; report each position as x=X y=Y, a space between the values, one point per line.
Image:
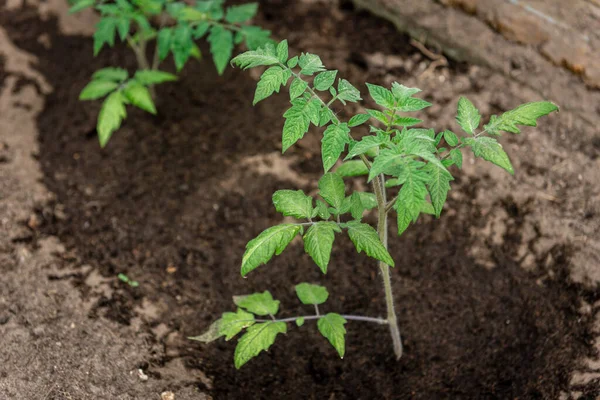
x=140 y=55
x=379 y=321
x=382 y=230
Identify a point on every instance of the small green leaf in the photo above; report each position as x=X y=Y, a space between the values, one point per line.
x=406 y=121
x=411 y=196
x=364 y=145
x=293 y=62
x=151 y=77
x=282 y=51
x=111 y=115
x=438 y=186
x=232 y=323
x=413 y=104
x=403 y=93
x=256 y=37
x=221 y=46
x=201 y=29
x=318 y=242
x=81 y=5
x=456 y=157
x=490 y=150
x=111 y=74
x=300 y=321
x=270 y=82
x=468 y=116
x=379 y=116
x=297 y=87
x=526 y=114
x=332 y=327
x=310 y=64
x=352 y=168
x=322 y=210
x=324 y=80
x=311 y=294
x=139 y=96
x=293 y=203
x=382 y=96
x=190 y=14
x=270 y=242
x=105 y=33
x=450 y=138
x=258 y=337
x=262 y=56
x=97 y=89
x=358 y=119
x=333 y=144
x=347 y=92
x=258 y=303
x=387 y=162
x=123 y=25
x=332 y=189
x=164 y=38
x=241 y=13
x=211 y=334
x=181 y=45
x=366 y=239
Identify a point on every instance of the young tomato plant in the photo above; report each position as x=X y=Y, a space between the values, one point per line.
x=177 y=26
x=414 y=164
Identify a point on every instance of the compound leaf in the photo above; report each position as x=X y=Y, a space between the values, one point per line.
x=526 y=114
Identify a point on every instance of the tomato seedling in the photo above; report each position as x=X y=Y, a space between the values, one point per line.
x=174 y=26
x=414 y=164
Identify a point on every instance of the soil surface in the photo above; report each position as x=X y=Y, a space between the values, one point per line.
x=496 y=300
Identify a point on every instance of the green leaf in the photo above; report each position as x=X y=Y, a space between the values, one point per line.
x=379 y=116
x=211 y=334
x=411 y=197
x=221 y=46
x=403 y=93
x=322 y=210
x=190 y=14
x=332 y=189
x=318 y=242
x=413 y=104
x=123 y=25
x=241 y=13
x=256 y=37
x=262 y=56
x=151 y=77
x=364 y=145
x=427 y=208
x=406 y=121
x=438 y=186
x=310 y=64
x=293 y=203
x=297 y=87
x=111 y=74
x=382 y=96
x=468 y=116
x=456 y=157
x=270 y=242
x=387 y=162
x=258 y=303
x=352 y=168
x=358 y=119
x=105 y=33
x=368 y=200
x=282 y=51
x=293 y=62
x=366 y=239
x=270 y=82
x=164 y=38
x=490 y=150
x=181 y=45
x=324 y=80
x=450 y=138
x=357 y=208
x=81 y=5
x=298 y=119
x=97 y=89
x=311 y=294
x=139 y=96
x=332 y=327
x=333 y=144
x=300 y=321
x=526 y=114
x=111 y=115
x=258 y=337
x=347 y=92
x=232 y=323
x=201 y=29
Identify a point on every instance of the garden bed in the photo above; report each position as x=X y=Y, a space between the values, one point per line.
x=487 y=300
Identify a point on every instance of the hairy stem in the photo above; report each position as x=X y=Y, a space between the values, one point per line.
x=382 y=230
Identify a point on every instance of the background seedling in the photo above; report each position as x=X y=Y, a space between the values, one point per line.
x=412 y=166
x=173 y=27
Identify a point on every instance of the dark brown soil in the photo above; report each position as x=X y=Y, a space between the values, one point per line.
x=173 y=191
